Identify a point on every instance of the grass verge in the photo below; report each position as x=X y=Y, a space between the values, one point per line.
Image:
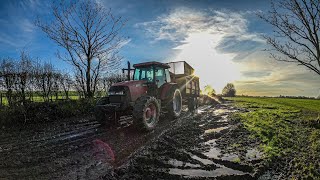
x=289 y=130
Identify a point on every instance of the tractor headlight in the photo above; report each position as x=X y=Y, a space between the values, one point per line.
x=116 y=93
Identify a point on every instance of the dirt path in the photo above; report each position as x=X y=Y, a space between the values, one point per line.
x=200 y=145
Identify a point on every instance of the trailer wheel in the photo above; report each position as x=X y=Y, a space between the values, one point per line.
x=174 y=105
x=196 y=102
x=192 y=104
x=103 y=117
x=146 y=113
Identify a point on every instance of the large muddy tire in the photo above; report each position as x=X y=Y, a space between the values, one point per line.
x=174 y=105
x=101 y=115
x=146 y=113
x=192 y=104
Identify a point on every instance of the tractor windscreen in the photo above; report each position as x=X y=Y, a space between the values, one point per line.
x=145 y=73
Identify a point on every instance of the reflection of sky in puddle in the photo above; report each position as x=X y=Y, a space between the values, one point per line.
x=230 y=157
x=221 y=111
x=202 y=109
x=204 y=173
x=178 y=163
x=253 y=154
x=213 y=152
x=220 y=171
x=203 y=161
x=223 y=118
x=215 y=130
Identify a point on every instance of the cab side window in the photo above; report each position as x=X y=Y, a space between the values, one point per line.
x=168 y=78
x=160 y=76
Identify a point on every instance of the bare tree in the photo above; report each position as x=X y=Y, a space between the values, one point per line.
x=23 y=75
x=66 y=83
x=296 y=25
x=91 y=37
x=8 y=76
x=113 y=78
x=44 y=76
x=56 y=84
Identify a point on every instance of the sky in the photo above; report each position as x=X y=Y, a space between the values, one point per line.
x=222 y=40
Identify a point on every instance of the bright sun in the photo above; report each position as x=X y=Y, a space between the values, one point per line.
x=213 y=68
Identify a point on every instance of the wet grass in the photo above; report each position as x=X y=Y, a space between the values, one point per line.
x=289 y=130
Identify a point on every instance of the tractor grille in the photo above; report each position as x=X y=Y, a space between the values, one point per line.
x=117 y=88
x=117 y=98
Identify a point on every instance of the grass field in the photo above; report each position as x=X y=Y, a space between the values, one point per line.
x=289 y=130
x=4 y=100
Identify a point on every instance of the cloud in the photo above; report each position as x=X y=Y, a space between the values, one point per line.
x=180 y=22
x=254 y=73
x=263 y=76
x=19 y=33
x=18 y=29
x=201 y=39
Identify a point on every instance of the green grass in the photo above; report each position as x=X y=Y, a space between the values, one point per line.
x=289 y=131
x=40 y=98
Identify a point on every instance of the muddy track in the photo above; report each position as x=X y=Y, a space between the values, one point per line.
x=196 y=147
x=193 y=146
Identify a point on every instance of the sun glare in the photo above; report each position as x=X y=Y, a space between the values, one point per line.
x=213 y=68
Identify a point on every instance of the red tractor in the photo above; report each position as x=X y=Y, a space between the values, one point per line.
x=156 y=87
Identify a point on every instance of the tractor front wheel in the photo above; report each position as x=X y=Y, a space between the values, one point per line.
x=146 y=113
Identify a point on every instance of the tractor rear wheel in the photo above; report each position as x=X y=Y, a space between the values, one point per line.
x=102 y=116
x=174 y=105
x=146 y=113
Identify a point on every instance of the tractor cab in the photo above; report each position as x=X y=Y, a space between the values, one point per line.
x=152 y=72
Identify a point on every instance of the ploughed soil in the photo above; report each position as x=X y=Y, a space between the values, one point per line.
x=206 y=144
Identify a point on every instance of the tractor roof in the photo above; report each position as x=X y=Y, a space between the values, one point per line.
x=152 y=63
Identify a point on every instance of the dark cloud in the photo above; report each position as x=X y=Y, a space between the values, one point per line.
x=257 y=74
x=242 y=47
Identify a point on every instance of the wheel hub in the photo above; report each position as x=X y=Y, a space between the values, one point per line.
x=150 y=113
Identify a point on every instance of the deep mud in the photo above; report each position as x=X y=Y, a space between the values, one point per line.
x=203 y=145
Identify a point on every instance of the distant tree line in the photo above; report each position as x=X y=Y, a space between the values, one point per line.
x=297 y=97
x=25 y=78
x=282 y=96
x=228 y=91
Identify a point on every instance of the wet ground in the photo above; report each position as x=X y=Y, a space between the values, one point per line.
x=203 y=145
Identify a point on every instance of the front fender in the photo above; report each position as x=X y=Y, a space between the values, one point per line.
x=166 y=89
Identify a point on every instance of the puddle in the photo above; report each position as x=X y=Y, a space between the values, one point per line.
x=220 y=171
x=178 y=163
x=215 y=130
x=253 y=154
x=201 y=125
x=214 y=152
x=202 y=109
x=230 y=157
x=223 y=171
x=219 y=111
x=203 y=161
x=223 y=118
